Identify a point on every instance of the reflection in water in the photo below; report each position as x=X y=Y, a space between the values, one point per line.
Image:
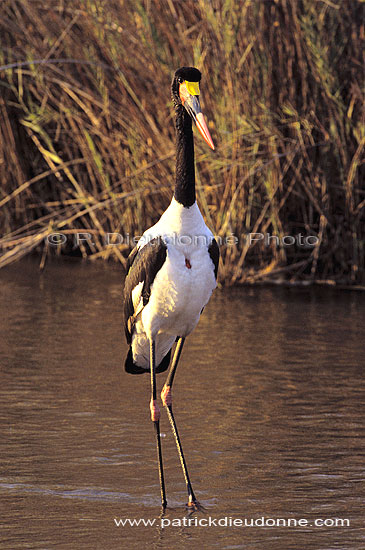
x=268 y=399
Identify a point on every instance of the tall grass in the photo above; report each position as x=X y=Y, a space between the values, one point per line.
x=87 y=133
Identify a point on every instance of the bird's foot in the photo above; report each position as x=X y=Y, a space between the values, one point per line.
x=194 y=506
x=155 y=411
x=166 y=396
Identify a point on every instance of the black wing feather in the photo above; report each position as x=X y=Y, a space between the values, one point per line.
x=143 y=265
x=131 y=258
x=214 y=255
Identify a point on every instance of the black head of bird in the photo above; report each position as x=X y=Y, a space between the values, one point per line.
x=185 y=93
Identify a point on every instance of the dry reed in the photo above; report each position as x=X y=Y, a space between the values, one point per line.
x=87 y=133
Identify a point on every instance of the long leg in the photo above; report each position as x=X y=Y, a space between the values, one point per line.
x=155 y=417
x=166 y=397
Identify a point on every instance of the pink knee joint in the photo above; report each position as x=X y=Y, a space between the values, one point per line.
x=155 y=411
x=166 y=396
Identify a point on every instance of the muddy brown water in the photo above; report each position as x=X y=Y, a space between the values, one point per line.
x=269 y=400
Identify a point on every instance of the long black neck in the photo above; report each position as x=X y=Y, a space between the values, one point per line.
x=185 y=172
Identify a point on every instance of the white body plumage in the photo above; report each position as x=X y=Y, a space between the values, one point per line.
x=181 y=288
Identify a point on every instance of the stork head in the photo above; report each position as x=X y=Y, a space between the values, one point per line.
x=185 y=91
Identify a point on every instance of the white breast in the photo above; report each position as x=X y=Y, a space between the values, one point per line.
x=180 y=225
x=183 y=285
x=179 y=294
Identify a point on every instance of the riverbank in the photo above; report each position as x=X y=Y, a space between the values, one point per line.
x=87 y=135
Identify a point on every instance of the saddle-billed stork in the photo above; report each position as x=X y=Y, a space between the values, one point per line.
x=172 y=271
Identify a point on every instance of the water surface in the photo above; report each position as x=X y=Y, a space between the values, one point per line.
x=269 y=400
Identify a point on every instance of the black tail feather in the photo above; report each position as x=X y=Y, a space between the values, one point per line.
x=132 y=368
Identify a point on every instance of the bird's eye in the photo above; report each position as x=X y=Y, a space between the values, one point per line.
x=180 y=80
